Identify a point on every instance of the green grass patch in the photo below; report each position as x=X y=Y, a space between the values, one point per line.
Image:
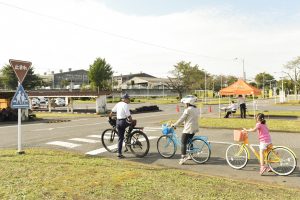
x=290 y=103
x=47 y=174
x=42 y=115
x=157 y=100
x=237 y=123
x=84 y=101
x=278 y=113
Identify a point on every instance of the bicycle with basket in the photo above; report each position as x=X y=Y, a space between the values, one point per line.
x=198 y=147
x=280 y=159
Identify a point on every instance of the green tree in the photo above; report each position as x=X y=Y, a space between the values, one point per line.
x=186 y=77
x=31 y=80
x=263 y=79
x=221 y=81
x=100 y=74
x=293 y=71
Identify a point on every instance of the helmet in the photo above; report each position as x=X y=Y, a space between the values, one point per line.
x=125 y=96
x=189 y=100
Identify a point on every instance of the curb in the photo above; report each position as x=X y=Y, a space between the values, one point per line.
x=58 y=121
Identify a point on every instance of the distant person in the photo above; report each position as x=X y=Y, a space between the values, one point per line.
x=190 y=117
x=264 y=139
x=123 y=120
x=242 y=104
x=230 y=109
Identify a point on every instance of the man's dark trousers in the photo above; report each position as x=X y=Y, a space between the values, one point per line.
x=121 y=126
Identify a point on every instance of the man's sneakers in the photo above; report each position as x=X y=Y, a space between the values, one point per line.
x=120 y=156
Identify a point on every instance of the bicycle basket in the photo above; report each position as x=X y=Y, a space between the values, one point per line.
x=112 y=121
x=167 y=130
x=239 y=136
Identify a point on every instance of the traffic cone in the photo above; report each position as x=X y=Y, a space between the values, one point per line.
x=177 y=108
x=209 y=109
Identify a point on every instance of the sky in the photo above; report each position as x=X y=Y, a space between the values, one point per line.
x=151 y=36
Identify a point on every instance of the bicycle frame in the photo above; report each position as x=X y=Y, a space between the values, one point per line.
x=246 y=146
x=177 y=142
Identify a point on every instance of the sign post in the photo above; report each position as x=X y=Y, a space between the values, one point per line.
x=20 y=99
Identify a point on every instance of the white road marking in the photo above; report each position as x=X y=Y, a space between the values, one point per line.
x=44 y=129
x=85 y=140
x=102 y=150
x=99 y=136
x=95 y=136
x=155 y=128
x=64 y=144
x=149 y=130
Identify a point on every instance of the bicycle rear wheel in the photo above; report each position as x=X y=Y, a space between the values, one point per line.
x=110 y=139
x=199 y=150
x=281 y=161
x=166 y=146
x=236 y=156
x=138 y=143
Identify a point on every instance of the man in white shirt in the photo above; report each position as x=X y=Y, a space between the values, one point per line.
x=123 y=114
x=230 y=109
x=242 y=103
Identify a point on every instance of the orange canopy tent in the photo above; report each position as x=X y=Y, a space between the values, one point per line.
x=240 y=87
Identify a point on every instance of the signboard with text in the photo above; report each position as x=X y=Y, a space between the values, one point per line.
x=20 y=68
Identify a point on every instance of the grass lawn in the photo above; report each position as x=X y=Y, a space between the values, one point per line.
x=42 y=115
x=47 y=174
x=237 y=123
x=278 y=113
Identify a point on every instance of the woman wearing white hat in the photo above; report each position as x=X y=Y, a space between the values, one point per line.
x=190 y=118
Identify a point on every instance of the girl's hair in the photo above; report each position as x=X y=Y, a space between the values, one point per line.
x=261 y=118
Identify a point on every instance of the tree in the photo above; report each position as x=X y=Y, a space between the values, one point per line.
x=293 y=71
x=31 y=80
x=221 y=81
x=100 y=74
x=186 y=77
x=263 y=79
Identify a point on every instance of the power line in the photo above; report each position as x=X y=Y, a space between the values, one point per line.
x=110 y=33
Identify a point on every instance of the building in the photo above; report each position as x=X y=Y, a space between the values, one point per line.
x=120 y=82
x=74 y=78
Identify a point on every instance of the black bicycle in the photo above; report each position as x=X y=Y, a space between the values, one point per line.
x=134 y=139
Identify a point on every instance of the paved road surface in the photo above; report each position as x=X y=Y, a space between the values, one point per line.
x=82 y=135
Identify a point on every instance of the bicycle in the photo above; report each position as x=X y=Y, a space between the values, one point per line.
x=198 y=147
x=134 y=139
x=280 y=159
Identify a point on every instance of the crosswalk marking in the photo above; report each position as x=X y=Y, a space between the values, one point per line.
x=102 y=150
x=64 y=144
x=85 y=140
x=99 y=136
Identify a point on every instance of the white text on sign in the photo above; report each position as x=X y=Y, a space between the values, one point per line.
x=20 y=67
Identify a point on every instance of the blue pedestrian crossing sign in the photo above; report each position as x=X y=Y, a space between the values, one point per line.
x=20 y=99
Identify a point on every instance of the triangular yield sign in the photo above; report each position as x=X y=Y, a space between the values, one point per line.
x=20 y=99
x=20 y=67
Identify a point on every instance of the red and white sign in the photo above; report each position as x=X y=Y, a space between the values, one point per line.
x=20 y=67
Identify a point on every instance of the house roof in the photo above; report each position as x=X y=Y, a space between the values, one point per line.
x=240 y=87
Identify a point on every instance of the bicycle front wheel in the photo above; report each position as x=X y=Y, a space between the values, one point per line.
x=199 y=150
x=138 y=143
x=236 y=156
x=166 y=146
x=110 y=139
x=281 y=161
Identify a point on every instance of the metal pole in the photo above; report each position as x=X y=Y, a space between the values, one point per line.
x=264 y=85
x=19 y=130
x=244 y=74
x=205 y=88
